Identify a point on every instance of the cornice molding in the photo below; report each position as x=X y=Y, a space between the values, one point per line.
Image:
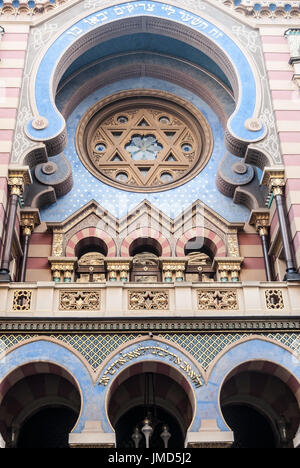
x=147 y=325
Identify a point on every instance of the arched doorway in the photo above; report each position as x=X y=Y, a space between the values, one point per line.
x=259 y=405
x=40 y=406
x=154 y=397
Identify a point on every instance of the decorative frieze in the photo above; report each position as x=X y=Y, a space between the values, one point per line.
x=22 y=299
x=79 y=300
x=212 y=299
x=148 y=300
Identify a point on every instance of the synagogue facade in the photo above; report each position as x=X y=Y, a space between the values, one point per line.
x=150 y=224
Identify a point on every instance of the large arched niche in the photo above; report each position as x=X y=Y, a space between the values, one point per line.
x=48 y=125
x=32 y=389
x=48 y=354
x=173 y=396
x=272 y=392
x=246 y=354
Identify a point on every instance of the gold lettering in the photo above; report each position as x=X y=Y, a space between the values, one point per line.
x=195 y=378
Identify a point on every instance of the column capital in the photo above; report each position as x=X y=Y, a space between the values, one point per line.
x=228 y=268
x=18 y=177
x=118 y=268
x=173 y=268
x=274 y=179
x=30 y=218
x=261 y=220
x=62 y=267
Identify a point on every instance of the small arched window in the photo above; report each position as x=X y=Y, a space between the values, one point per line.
x=145 y=264
x=91 y=253
x=200 y=261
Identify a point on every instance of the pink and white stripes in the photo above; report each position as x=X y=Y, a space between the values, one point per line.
x=286 y=104
x=12 y=59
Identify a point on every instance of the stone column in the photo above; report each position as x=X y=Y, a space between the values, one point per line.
x=261 y=220
x=228 y=268
x=30 y=218
x=275 y=181
x=18 y=177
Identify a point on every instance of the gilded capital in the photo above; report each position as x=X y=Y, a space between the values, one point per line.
x=18 y=177
x=274 y=179
x=228 y=267
x=261 y=220
x=30 y=218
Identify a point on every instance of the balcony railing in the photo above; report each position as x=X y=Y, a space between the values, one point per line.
x=117 y=299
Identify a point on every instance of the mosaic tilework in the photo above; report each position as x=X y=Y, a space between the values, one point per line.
x=204 y=347
x=118 y=202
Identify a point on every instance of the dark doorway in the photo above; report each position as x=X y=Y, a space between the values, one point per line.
x=49 y=428
x=251 y=429
x=135 y=416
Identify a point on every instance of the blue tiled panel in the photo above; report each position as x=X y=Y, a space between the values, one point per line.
x=118 y=202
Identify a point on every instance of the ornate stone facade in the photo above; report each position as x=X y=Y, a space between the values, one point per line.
x=149 y=228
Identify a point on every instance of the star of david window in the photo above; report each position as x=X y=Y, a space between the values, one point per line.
x=144 y=143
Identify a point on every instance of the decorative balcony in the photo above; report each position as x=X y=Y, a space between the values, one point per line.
x=184 y=300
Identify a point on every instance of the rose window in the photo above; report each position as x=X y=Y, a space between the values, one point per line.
x=144 y=143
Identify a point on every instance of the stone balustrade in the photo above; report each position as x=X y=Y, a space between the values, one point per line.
x=118 y=299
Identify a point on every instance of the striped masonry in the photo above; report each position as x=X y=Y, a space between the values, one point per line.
x=253 y=267
x=286 y=103
x=12 y=57
x=38 y=268
x=142 y=233
x=210 y=239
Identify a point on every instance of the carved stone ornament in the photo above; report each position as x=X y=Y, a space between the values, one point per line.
x=57 y=247
x=212 y=299
x=148 y=300
x=274 y=299
x=22 y=299
x=144 y=141
x=79 y=300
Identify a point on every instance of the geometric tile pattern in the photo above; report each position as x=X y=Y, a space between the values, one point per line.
x=204 y=347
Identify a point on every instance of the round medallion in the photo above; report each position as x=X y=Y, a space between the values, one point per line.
x=144 y=141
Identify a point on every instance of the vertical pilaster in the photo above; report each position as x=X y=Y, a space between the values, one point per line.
x=261 y=220
x=18 y=177
x=30 y=218
x=275 y=180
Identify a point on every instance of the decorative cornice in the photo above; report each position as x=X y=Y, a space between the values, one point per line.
x=265 y=9
x=141 y=325
x=29 y=7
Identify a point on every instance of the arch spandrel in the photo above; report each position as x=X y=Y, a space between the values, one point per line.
x=48 y=124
